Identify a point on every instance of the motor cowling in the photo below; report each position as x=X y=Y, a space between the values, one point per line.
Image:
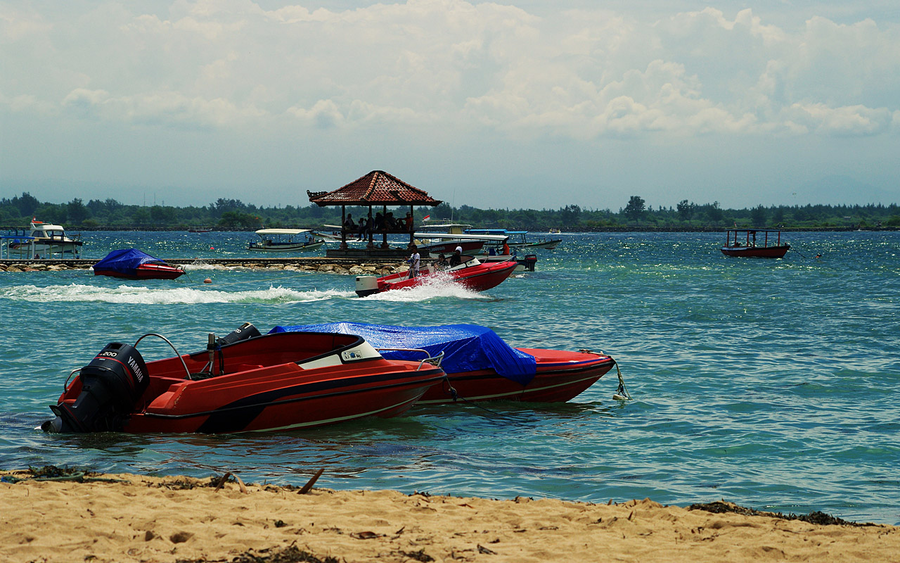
x=110 y=386
x=243 y=332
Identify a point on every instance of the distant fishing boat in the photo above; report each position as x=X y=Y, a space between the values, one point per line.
x=754 y=243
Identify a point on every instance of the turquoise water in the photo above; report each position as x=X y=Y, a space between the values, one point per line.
x=773 y=384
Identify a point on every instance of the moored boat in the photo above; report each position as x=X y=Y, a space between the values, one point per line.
x=243 y=382
x=471 y=273
x=133 y=264
x=285 y=240
x=480 y=366
x=754 y=243
x=517 y=239
x=45 y=240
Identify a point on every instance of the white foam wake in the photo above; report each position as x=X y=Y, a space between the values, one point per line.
x=165 y=296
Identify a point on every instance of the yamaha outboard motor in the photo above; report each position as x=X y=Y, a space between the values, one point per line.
x=110 y=386
x=243 y=332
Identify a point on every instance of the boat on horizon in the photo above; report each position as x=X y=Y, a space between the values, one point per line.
x=471 y=274
x=133 y=264
x=244 y=382
x=747 y=243
x=480 y=365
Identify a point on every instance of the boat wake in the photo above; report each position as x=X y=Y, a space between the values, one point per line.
x=435 y=286
x=166 y=296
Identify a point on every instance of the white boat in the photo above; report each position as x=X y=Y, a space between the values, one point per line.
x=45 y=240
x=517 y=238
x=434 y=240
x=285 y=240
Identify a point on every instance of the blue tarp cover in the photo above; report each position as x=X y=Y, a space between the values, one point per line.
x=126 y=261
x=465 y=347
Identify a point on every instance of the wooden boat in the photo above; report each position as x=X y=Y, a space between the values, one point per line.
x=132 y=264
x=471 y=274
x=517 y=239
x=244 y=382
x=754 y=243
x=285 y=240
x=480 y=366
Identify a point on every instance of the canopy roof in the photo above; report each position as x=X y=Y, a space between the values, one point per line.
x=375 y=188
x=263 y=232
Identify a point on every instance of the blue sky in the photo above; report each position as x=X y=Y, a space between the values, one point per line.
x=521 y=104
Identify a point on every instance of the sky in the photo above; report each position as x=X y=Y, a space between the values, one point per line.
x=532 y=104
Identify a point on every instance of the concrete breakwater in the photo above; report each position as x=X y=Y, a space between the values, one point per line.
x=318 y=264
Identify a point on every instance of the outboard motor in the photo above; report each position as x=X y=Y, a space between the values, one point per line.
x=366 y=285
x=529 y=261
x=243 y=332
x=110 y=386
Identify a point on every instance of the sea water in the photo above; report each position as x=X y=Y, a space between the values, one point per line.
x=771 y=383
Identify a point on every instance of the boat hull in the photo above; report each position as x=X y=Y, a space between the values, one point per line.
x=546 y=244
x=145 y=272
x=275 y=382
x=756 y=252
x=480 y=277
x=285 y=247
x=561 y=376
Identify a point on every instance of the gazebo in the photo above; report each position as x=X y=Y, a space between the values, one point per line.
x=377 y=188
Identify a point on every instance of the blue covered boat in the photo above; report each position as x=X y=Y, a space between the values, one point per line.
x=479 y=364
x=132 y=264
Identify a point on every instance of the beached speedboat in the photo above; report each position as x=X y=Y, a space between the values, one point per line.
x=241 y=383
x=754 y=243
x=480 y=366
x=132 y=264
x=471 y=274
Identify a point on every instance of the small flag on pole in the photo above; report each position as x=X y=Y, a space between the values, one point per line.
x=427 y=217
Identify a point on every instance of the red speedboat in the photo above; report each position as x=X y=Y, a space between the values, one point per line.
x=559 y=377
x=480 y=366
x=241 y=383
x=472 y=274
x=754 y=243
x=132 y=264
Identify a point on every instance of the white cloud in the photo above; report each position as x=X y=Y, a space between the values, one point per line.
x=454 y=74
x=484 y=65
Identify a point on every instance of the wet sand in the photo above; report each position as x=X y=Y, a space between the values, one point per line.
x=136 y=518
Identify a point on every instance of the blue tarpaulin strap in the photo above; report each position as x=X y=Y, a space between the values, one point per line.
x=465 y=347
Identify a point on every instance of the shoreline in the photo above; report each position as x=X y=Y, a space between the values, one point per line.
x=129 y=517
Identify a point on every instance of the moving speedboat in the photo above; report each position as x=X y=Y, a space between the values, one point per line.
x=243 y=382
x=472 y=274
x=132 y=264
x=480 y=366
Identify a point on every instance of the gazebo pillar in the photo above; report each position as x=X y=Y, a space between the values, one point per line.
x=343 y=227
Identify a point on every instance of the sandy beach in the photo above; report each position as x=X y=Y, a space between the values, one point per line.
x=126 y=518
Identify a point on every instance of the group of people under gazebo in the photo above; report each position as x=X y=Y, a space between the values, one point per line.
x=370 y=225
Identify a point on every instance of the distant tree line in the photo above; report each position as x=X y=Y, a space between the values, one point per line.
x=232 y=214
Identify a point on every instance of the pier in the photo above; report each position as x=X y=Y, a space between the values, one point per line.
x=354 y=266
